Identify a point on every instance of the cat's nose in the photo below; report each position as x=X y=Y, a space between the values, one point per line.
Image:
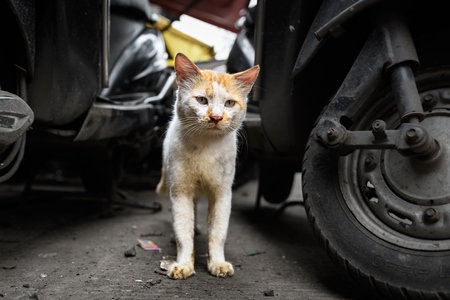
x=215 y=119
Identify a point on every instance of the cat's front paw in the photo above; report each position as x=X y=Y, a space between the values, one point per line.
x=180 y=271
x=221 y=269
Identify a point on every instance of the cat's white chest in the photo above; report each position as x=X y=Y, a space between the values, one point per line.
x=203 y=163
x=215 y=159
x=211 y=160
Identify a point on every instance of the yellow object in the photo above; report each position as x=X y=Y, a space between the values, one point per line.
x=177 y=41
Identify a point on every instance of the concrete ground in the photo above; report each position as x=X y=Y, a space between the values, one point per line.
x=62 y=248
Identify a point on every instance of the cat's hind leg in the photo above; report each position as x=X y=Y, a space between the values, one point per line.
x=183 y=211
x=219 y=209
x=161 y=188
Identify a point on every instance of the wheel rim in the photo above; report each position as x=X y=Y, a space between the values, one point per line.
x=403 y=201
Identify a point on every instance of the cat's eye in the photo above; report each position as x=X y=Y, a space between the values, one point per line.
x=202 y=100
x=230 y=103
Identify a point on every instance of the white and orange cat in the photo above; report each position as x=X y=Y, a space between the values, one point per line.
x=199 y=156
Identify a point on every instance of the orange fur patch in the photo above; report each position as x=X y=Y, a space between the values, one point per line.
x=227 y=81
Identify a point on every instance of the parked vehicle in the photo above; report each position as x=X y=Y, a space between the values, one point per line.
x=92 y=78
x=354 y=94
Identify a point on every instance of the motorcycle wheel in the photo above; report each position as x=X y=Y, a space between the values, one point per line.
x=384 y=218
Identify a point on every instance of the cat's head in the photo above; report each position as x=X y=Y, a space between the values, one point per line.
x=214 y=102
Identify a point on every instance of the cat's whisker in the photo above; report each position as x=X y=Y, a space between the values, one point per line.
x=190 y=130
x=193 y=130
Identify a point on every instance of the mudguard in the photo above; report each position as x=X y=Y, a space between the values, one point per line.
x=353 y=92
x=293 y=94
x=331 y=15
x=279 y=35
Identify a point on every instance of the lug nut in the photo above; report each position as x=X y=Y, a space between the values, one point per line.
x=431 y=215
x=378 y=129
x=369 y=163
x=332 y=134
x=429 y=100
x=414 y=135
x=369 y=160
x=378 y=126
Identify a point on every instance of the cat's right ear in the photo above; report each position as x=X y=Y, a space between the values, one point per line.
x=185 y=69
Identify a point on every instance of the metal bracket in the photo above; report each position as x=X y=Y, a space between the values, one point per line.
x=411 y=140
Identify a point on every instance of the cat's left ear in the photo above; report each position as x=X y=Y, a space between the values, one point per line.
x=247 y=78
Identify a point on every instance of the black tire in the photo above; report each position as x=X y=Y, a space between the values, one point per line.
x=394 y=270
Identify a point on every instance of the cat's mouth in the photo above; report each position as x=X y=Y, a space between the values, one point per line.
x=215 y=127
x=210 y=124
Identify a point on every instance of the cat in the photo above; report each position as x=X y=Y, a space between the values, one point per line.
x=199 y=153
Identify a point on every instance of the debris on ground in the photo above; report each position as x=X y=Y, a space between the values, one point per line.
x=253 y=252
x=130 y=252
x=160 y=272
x=151 y=233
x=164 y=264
x=269 y=293
x=148 y=245
x=44 y=255
x=8 y=266
x=152 y=282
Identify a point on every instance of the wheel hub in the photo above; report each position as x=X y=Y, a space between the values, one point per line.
x=417 y=181
x=405 y=201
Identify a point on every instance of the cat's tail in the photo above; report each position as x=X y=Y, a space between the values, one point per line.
x=161 y=188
